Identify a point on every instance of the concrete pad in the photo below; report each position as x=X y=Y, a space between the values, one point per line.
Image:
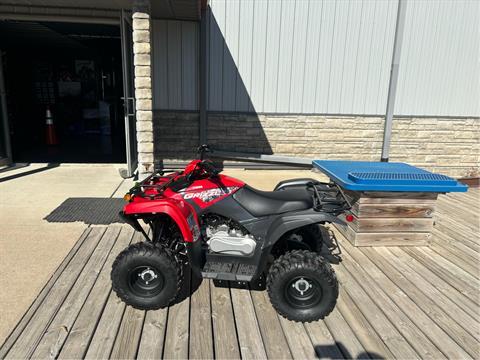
x=30 y=247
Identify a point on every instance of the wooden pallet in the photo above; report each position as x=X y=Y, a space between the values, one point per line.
x=390 y=218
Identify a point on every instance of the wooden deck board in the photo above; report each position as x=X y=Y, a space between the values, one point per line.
x=248 y=331
x=224 y=330
x=413 y=310
x=79 y=337
x=201 y=339
x=323 y=341
x=153 y=335
x=429 y=306
x=273 y=337
x=394 y=302
x=453 y=294
x=409 y=330
x=298 y=340
x=58 y=330
x=128 y=336
x=370 y=339
x=376 y=334
x=176 y=338
x=31 y=335
x=41 y=296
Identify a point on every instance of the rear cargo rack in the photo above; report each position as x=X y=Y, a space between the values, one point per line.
x=329 y=197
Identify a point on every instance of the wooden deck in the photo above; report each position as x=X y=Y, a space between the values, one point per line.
x=418 y=302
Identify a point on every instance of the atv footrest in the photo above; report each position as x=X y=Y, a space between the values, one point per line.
x=228 y=271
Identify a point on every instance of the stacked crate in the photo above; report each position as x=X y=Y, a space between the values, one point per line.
x=390 y=218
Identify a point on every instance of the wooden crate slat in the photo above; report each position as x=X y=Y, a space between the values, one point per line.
x=384 y=239
x=391 y=224
x=393 y=210
x=390 y=218
x=399 y=195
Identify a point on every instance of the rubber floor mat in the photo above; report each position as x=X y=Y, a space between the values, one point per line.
x=96 y=211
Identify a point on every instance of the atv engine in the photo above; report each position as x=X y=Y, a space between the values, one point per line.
x=226 y=237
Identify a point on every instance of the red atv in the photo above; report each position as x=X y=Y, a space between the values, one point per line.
x=224 y=229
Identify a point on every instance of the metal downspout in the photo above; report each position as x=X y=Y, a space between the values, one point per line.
x=392 y=87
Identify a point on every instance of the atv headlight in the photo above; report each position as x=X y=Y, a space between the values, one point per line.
x=127 y=197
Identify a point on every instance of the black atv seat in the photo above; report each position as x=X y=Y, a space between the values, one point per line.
x=262 y=203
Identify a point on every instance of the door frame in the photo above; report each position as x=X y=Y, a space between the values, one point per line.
x=4 y=161
x=126 y=35
x=125 y=16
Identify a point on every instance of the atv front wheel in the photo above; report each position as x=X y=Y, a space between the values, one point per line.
x=302 y=286
x=146 y=276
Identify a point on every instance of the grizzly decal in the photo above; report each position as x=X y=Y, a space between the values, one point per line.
x=209 y=195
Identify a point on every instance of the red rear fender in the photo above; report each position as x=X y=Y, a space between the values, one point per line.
x=180 y=212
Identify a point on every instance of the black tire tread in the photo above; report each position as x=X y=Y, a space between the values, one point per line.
x=301 y=259
x=146 y=250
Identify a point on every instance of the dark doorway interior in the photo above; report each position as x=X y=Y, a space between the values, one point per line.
x=75 y=70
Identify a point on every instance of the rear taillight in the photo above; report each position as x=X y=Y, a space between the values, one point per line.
x=349 y=217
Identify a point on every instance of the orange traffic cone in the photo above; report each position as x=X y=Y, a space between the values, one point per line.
x=51 y=136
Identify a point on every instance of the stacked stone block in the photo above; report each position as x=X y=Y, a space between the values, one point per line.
x=143 y=86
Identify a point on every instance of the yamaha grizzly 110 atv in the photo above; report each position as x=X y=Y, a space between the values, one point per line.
x=224 y=229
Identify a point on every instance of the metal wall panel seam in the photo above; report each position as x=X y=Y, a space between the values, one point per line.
x=385 y=34
x=265 y=58
x=278 y=54
x=356 y=57
x=365 y=91
x=344 y=56
x=291 y=54
x=251 y=61
x=305 y=58
x=331 y=52
x=318 y=56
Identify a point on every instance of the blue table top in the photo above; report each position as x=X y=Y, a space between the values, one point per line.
x=386 y=176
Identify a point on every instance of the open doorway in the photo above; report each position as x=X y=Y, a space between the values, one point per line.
x=70 y=74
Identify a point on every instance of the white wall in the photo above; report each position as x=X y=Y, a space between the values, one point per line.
x=439 y=67
x=323 y=57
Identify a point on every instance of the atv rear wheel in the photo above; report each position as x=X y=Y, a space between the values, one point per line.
x=302 y=286
x=146 y=276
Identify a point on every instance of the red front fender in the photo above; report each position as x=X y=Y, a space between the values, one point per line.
x=180 y=212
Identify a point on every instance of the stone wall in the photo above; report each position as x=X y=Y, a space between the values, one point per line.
x=444 y=145
x=449 y=146
x=176 y=135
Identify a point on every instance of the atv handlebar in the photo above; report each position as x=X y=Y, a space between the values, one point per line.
x=208 y=167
